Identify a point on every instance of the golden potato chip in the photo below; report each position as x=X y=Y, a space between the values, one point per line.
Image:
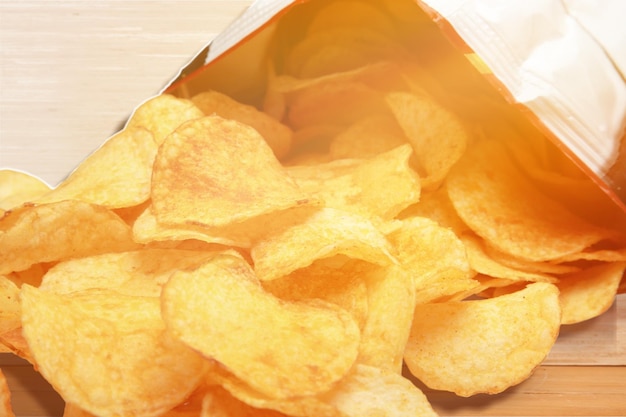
x=390 y=307
x=436 y=205
x=6 y=410
x=334 y=103
x=213 y=172
x=17 y=188
x=541 y=267
x=378 y=75
x=108 y=353
x=590 y=292
x=438 y=137
x=377 y=187
x=434 y=257
x=13 y=342
x=58 y=231
x=72 y=410
x=337 y=280
x=116 y=175
x=364 y=391
x=483 y=264
x=367 y=138
x=148 y=230
x=10 y=311
x=282 y=349
x=340 y=49
x=277 y=135
x=516 y=333
x=162 y=114
x=327 y=232
x=501 y=206
x=596 y=254
x=140 y=273
x=218 y=402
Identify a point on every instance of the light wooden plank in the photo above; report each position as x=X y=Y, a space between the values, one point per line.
x=551 y=391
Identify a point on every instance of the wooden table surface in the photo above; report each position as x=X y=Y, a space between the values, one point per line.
x=72 y=71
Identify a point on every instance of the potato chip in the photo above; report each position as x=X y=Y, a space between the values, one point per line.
x=63 y=230
x=72 y=410
x=6 y=410
x=390 y=306
x=516 y=333
x=13 y=341
x=340 y=49
x=501 y=206
x=438 y=137
x=10 y=311
x=334 y=103
x=277 y=135
x=337 y=280
x=162 y=114
x=282 y=349
x=364 y=391
x=434 y=257
x=378 y=75
x=541 y=267
x=377 y=188
x=436 y=205
x=139 y=273
x=17 y=188
x=328 y=232
x=589 y=293
x=218 y=402
x=483 y=264
x=116 y=175
x=367 y=138
x=107 y=352
x=213 y=172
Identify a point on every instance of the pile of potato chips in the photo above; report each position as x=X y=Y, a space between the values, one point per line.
x=379 y=206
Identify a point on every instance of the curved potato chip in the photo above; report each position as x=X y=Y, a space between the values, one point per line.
x=140 y=273
x=162 y=114
x=341 y=285
x=218 y=402
x=10 y=310
x=116 y=175
x=436 y=205
x=390 y=310
x=108 y=353
x=434 y=257
x=282 y=349
x=483 y=264
x=483 y=346
x=327 y=232
x=496 y=201
x=17 y=188
x=590 y=292
x=365 y=391
x=334 y=103
x=367 y=138
x=58 y=231
x=214 y=172
x=438 y=136
x=379 y=187
x=277 y=135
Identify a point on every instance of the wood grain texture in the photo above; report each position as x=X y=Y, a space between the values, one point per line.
x=70 y=74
